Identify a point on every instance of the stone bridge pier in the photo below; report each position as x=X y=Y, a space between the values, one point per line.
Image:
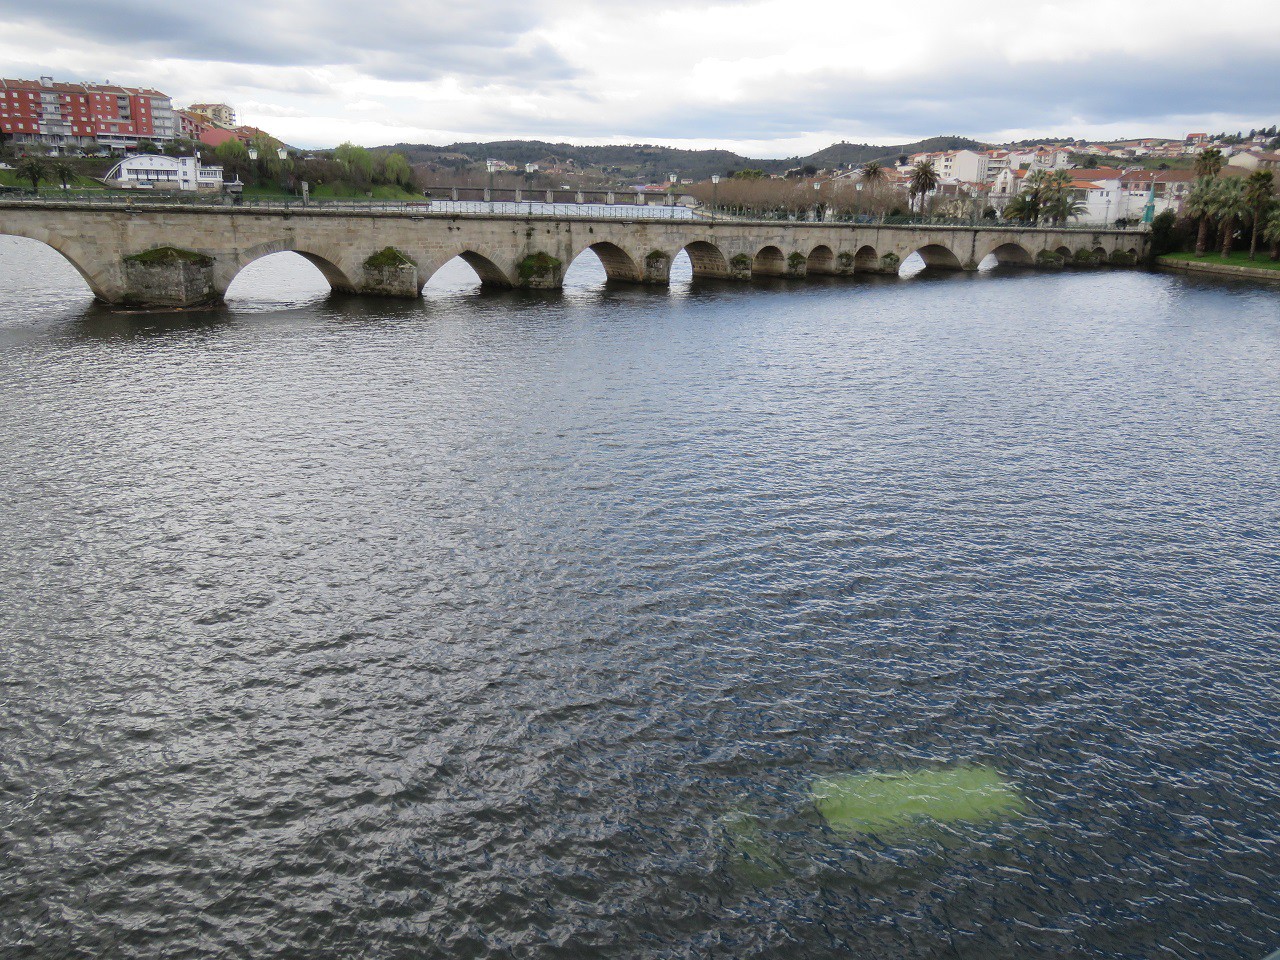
x=175 y=255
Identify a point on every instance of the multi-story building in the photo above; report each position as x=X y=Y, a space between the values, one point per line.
x=191 y=125
x=221 y=114
x=985 y=166
x=64 y=115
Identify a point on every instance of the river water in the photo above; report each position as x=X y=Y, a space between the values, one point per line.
x=522 y=625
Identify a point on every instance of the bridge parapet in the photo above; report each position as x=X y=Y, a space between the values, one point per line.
x=119 y=249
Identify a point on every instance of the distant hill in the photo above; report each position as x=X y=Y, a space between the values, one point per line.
x=839 y=154
x=652 y=162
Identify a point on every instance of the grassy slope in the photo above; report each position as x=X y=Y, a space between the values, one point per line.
x=1239 y=258
x=10 y=179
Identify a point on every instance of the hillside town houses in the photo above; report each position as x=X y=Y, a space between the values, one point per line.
x=105 y=118
x=1110 y=189
x=1114 y=181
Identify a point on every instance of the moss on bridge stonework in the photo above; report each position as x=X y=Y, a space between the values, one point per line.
x=539 y=269
x=391 y=273
x=168 y=277
x=389 y=258
x=163 y=256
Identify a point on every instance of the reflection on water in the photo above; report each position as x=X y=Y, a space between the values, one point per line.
x=601 y=623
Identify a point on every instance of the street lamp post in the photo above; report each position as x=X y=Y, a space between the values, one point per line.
x=491 y=166
x=1106 y=212
x=715 y=193
x=817 y=202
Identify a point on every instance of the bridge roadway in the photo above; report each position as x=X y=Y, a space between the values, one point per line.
x=178 y=255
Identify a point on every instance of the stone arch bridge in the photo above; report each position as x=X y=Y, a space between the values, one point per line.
x=175 y=255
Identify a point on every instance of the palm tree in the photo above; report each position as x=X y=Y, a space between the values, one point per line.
x=1057 y=201
x=1258 y=196
x=1201 y=202
x=1036 y=188
x=1231 y=205
x=1271 y=232
x=64 y=172
x=1021 y=207
x=1209 y=163
x=33 y=169
x=1066 y=207
x=924 y=178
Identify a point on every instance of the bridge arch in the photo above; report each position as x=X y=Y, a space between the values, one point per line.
x=94 y=273
x=866 y=260
x=821 y=260
x=618 y=264
x=936 y=256
x=323 y=260
x=484 y=267
x=1064 y=252
x=769 y=262
x=1011 y=255
x=707 y=260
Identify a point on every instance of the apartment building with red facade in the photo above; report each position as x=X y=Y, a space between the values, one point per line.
x=83 y=115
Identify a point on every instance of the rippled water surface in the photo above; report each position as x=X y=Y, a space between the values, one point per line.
x=523 y=625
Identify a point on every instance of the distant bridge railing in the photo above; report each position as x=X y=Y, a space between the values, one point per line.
x=531 y=209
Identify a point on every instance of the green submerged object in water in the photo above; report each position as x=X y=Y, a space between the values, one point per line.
x=896 y=802
x=754 y=856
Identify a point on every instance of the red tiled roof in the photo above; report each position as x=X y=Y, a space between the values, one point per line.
x=1159 y=176
x=63 y=87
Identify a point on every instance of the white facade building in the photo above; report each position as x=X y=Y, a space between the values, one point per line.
x=152 y=171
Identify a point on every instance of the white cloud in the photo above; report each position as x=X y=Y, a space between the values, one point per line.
x=765 y=77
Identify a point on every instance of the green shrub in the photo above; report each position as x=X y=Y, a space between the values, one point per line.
x=538 y=265
x=1165 y=235
x=167 y=255
x=389 y=257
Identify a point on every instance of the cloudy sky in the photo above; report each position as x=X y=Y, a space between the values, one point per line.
x=766 y=78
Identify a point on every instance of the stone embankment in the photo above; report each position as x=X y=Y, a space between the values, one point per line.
x=1219 y=269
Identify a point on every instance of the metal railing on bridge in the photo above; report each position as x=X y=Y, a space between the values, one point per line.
x=532 y=209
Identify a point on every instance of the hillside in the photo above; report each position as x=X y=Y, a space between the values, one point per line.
x=651 y=162
x=839 y=154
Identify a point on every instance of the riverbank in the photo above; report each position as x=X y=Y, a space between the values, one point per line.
x=1237 y=265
